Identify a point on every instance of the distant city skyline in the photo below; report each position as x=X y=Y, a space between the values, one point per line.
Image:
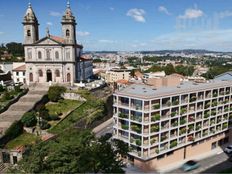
x=126 y=25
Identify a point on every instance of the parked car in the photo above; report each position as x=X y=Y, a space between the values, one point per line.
x=190 y=165
x=228 y=149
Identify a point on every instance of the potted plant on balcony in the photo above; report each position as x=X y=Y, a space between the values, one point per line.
x=182 y=121
x=156 y=106
x=154 y=128
x=173 y=144
x=155 y=117
x=124 y=126
x=138 y=142
x=183 y=111
x=153 y=141
x=173 y=114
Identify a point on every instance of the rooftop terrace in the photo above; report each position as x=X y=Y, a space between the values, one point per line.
x=145 y=91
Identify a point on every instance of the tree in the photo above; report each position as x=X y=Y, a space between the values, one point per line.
x=73 y=152
x=29 y=119
x=55 y=93
x=169 y=69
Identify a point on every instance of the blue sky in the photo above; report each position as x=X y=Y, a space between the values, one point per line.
x=129 y=25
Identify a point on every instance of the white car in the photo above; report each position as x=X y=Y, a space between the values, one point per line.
x=228 y=149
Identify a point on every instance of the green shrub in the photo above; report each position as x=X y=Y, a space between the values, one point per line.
x=54 y=117
x=17 y=88
x=29 y=119
x=2 y=89
x=12 y=132
x=7 y=96
x=44 y=125
x=55 y=92
x=44 y=113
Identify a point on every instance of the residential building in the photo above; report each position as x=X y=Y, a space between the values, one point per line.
x=154 y=75
x=53 y=59
x=116 y=74
x=173 y=123
x=19 y=73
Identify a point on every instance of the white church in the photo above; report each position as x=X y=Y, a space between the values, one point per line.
x=54 y=59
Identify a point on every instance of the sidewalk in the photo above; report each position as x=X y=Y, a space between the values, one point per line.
x=177 y=165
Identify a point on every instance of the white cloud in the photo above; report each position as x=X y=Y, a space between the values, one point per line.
x=55 y=14
x=163 y=9
x=112 y=8
x=83 y=33
x=225 y=14
x=49 y=23
x=137 y=14
x=107 y=41
x=192 y=14
x=217 y=40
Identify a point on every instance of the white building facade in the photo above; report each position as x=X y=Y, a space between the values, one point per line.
x=52 y=59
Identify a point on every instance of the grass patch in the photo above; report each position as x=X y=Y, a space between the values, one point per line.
x=91 y=110
x=62 y=106
x=22 y=140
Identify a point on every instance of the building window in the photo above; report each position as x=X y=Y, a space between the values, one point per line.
x=214 y=145
x=17 y=73
x=28 y=33
x=48 y=53
x=57 y=72
x=40 y=73
x=67 y=53
x=67 y=33
x=29 y=53
x=17 y=80
x=39 y=55
x=57 y=55
x=24 y=73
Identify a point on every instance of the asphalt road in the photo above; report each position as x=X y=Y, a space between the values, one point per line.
x=213 y=164
x=105 y=130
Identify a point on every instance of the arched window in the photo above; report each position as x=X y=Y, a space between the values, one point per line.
x=57 y=72
x=48 y=54
x=39 y=55
x=67 y=33
x=68 y=77
x=40 y=73
x=57 y=55
x=28 y=32
x=31 y=77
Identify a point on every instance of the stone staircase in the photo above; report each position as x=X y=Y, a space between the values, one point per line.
x=25 y=103
x=2 y=168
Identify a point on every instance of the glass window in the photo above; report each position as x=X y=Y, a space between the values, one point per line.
x=39 y=55
x=57 y=55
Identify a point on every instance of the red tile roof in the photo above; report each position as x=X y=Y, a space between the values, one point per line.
x=123 y=81
x=20 y=68
x=57 y=38
x=85 y=59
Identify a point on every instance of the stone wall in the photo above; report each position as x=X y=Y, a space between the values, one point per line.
x=73 y=96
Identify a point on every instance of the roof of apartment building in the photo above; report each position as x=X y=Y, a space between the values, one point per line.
x=145 y=91
x=20 y=68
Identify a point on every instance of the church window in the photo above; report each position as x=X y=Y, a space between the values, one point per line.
x=39 y=55
x=57 y=55
x=28 y=33
x=29 y=53
x=40 y=73
x=57 y=73
x=48 y=53
x=67 y=53
x=67 y=33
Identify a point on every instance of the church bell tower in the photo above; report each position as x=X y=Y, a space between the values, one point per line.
x=69 y=26
x=31 y=26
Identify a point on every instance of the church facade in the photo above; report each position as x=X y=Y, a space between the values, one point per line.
x=54 y=59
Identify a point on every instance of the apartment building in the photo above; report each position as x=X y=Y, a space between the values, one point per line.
x=170 y=124
x=116 y=74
